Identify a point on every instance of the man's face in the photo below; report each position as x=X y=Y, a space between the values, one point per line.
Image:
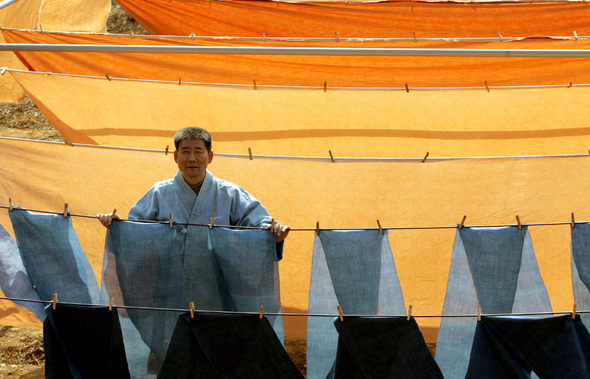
x=192 y=158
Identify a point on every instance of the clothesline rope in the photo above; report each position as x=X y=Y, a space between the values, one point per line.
x=296 y=314
x=3 y=70
x=265 y=38
x=14 y=208
x=330 y=159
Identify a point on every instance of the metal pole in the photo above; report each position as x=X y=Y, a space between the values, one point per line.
x=6 y=3
x=297 y=50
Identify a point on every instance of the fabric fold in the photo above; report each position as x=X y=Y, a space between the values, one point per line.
x=580 y=264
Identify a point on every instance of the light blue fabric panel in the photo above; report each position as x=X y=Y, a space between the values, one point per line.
x=580 y=263
x=53 y=257
x=14 y=280
x=143 y=267
x=247 y=271
x=353 y=268
x=497 y=268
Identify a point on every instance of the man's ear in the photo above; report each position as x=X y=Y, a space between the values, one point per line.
x=210 y=156
x=175 y=156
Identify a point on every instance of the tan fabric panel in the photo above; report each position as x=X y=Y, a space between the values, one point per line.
x=339 y=195
x=75 y=15
x=22 y=14
x=311 y=122
x=335 y=71
x=383 y=19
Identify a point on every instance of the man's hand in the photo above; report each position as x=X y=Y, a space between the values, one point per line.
x=280 y=231
x=107 y=219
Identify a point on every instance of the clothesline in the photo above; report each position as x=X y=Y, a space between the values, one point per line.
x=331 y=158
x=317 y=229
x=296 y=314
x=264 y=38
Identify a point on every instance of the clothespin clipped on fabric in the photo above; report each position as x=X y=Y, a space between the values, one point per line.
x=379 y=225
x=212 y=222
x=167 y=147
x=66 y=210
x=462 y=224
x=487 y=86
x=250 y=153
x=325 y=85
x=179 y=81
x=191 y=308
x=254 y=83
x=407 y=88
x=263 y=36
x=500 y=36
x=574 y=311
x=478 y=312
x=570 y=84
x=261 y=312
x=110 y=303
x=518 y=222
x=336 y=36
x=3 y=71
x=426 y=156
x=10 y=205
x=415 y=38
x=332 y=156
x=340 y=314
x=54 y=301
x=107 y=76
x=171 y=221
x=317 y=228
x=192 y=35
x=114 y=213
x=575 y=35
x=409 y=316
x=272 y=226
x=573 y=221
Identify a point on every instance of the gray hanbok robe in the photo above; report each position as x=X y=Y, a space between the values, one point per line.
x=230 y=204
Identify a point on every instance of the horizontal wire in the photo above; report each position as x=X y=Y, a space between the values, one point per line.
x=3 y=70
x=545 y=313
x=15 y=208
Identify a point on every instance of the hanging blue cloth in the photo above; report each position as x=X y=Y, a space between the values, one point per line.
x=497 y=268
x=226 y=346
x=53 y=257
x=354 y=269
x=512 y=347
x=382 y=347
x=580 y=263
x=83 y=342
x=14 y=280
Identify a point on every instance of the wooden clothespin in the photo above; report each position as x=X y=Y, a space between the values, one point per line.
x=66 y=210
x=261 y=312
x=331 y=156
x=10 y=205
x=192 y=35
x=340 y=314
x=426 y=156
x=272 y=226
x=336 y=36
x=462 y=224
x=518 y=222
x=41 y=29
x=263 y=36
x=107 y=76
x=3 y=71
x=574 y=311
x=110 y=303
x=212 y=222
x=407 y=88
x=379 y=225
x=317 y=228
x=575 y=35
x=167 y=147
x=191 y=307
x=500 y=36
x=171 y=221
x=254 y=83
x=487 y=86
x=409 y=316
x=132 y=34
x=478 y=312
x=573 y=221
x=325 y=85
x=250 y=153
x=54 y=301
x=179 y=81
x=415 y=39
x=570 y=85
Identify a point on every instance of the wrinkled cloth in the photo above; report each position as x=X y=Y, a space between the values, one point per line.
x=226 y=346
x=580 y=263
x=353 y=268
x=53 y=257
x=83 y=342
x=510 y=347
x=384 y=347
x=14 y=280
x=142 y=267
x=497 y=268
x=230 y=204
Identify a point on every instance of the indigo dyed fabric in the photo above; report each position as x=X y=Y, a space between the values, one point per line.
x=247 y=271
x=580 y=263
x=384 y=347
x=53 y=257
x=143 y=267
x=226 y=346
x=353 y=268
x=14 y=280
x=510 y=347
x=497 y=268
x=83 y=342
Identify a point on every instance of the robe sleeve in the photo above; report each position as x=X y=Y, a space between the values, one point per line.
x=146 y=208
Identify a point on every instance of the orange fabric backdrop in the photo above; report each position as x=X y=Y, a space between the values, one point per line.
x=336 y=71
x=339 y=195
x=351 y=123
x=384 y=19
